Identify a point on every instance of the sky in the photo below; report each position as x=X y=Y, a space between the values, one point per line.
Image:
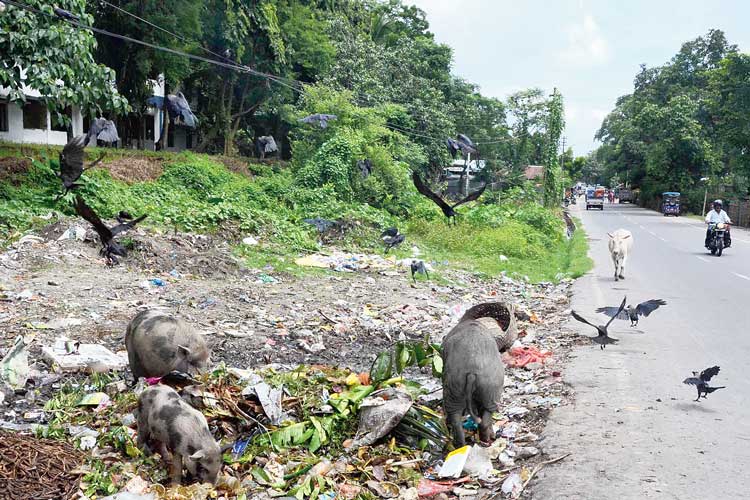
x=590 y=50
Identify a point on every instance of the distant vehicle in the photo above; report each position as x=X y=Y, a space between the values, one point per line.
x=595 y=198
x=624 y=195
x=670 y=204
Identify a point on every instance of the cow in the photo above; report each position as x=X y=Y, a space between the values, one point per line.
x=620 y=245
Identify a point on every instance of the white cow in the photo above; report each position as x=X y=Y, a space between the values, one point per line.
x=620 y=244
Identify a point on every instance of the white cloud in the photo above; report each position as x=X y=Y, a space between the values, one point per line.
x=586 y=44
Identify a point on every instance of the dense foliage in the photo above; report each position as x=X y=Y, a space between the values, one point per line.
x=685 y=120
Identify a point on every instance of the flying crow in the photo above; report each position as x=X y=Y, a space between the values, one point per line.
x=466 y=144
x=603 y=337
x=103 y=130
x=448 y=210
x=632 y=313
x=392 y=238
x=266 y=144
x=177 y=107
x=417 y=266
x=110 y=247
x=700 y=381
x=319 y=118
x=453 y=146
x=71 y=163
x=322 y=225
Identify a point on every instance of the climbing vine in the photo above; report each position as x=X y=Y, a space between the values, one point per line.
x=552 y=173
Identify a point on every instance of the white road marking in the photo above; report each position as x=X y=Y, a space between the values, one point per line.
x=703 y=258
x=741 y=276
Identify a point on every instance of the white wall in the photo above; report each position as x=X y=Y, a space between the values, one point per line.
x=16 y=132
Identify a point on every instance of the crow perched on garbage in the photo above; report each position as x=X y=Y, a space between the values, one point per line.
x=418 y=267
x=319 y=118
x=448 y=210
x=71 y=163
x=110 y=247
x=632 y=313
x=392 y=238
x=700 y=381
x=602 y=337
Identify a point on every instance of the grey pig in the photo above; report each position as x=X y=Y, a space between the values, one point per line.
x=167 y=421
x=473 y=376
x=159 y=343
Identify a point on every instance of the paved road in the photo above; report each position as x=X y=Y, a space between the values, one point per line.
x=633 y=430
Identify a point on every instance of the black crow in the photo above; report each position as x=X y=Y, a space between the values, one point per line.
x=71 y=162
x=319 y=118
x=103 y=130
x=322 y=225
x=365 y=167
x=448 y=210
x=177 y=107
x=632 y=313
x=603 y=337
x=700 y=381
x=123 y=216
x=64 y=14
x=110 y=247
x=417 y=266
x=390 y=231
x=466 y=144
x=266 y=144
x=453 y=146
x=393 y=241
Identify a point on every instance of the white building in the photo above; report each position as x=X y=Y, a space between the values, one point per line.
x=31 y=122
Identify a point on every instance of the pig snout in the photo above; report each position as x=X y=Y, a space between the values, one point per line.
x=159 y=343
x=180 y=431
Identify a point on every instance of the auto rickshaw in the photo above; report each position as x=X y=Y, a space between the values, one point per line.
x=670 y=204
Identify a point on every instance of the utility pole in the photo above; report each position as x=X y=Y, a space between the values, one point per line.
x=562 y=155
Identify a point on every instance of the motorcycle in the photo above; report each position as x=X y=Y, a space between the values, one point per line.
x=718 y=238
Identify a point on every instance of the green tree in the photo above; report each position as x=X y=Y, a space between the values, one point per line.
x=55 y=58
x=552 y=173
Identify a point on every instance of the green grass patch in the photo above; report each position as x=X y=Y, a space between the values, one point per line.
x=198 y=193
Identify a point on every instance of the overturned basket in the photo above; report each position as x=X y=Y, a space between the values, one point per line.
x=505 y=317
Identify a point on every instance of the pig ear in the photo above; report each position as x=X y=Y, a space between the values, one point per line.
x=626 y=237
x=183 y=350
x=610 y=235
x=198 y=455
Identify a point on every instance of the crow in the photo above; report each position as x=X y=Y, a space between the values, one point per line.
x=110 y=247
x=392 y=238
x=448 y=210
x=322 y=225
x=266 y=144
x=603 y=337
x=64 y=14
x=71 y=163
x=632 y=313
x=319 y=118
x=177 y=107
x=417 y=266
x=365 y=167
x=453 y=146
x=103 y=130
x=466 y=144
x=700 y=381
x=123 y=216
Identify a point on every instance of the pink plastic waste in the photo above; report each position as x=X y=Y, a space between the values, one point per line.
x=522 y=356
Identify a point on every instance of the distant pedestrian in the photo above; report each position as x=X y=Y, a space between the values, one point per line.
x=611 y=196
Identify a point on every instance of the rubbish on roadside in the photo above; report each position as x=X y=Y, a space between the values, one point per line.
x=249 y=240
x=454 y=462
x=157 y=282
x=522 y=356
x=269 y=398
x=265 y=278
x=478 y=462
x=427 y=488
x=347 y=262
x=94 y=357
x=51 y=475
x=98 y=399
x=384 y=489
x=126 y=495
x=512 y=484
x=14 y=367
x=73 y=233
x=380 y=412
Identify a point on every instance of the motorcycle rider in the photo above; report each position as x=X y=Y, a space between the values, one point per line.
x=715 y=216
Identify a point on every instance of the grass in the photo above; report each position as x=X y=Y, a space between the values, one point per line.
x=201 y=193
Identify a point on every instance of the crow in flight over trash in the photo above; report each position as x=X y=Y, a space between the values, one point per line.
x=700 y=381
x=110 y=247
x=392 y=238
x=319 y=118
x=448 y=210
x=71 y=163
x=418 y=267
x=632 y=313
x=603 y=337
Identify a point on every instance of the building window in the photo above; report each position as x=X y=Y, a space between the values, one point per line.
x=58 y=125
x=34 y=115
x=3 y=116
